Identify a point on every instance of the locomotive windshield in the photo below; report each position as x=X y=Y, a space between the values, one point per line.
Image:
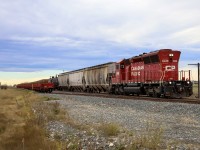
x=147 y=60
x=151 y=59
x=154 y=58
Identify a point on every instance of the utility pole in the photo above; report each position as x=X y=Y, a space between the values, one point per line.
x=198 y=65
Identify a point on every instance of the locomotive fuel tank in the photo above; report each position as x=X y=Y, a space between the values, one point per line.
x=133 y=88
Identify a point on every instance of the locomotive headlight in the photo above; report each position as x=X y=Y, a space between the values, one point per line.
x=171 y=55
x=170 y=82
x=188 y=82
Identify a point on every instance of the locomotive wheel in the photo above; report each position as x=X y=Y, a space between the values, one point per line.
x=121 y=90
x=158 y=95
x=116 y=90
x=149 y=94
x=155 y=94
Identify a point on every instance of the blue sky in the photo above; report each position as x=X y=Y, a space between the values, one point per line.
x=41 y=38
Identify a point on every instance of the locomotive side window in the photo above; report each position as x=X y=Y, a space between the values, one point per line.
x=154 y=58
x=147 y=60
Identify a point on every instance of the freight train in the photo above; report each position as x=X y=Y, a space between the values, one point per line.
x=154 y=74
x=41 y=86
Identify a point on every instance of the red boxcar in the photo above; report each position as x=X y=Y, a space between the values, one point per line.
x=40 y=86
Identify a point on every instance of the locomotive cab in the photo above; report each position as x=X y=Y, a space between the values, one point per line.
x=173 y=80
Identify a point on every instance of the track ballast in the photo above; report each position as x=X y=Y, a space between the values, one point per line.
x=131 y=97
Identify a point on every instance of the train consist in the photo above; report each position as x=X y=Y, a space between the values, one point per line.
x=154 y=74
x=40 y=86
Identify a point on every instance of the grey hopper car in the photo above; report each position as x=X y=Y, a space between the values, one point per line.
x=91 y=79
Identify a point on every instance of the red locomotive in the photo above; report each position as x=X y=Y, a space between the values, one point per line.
x=154 y=74
x=40 y=86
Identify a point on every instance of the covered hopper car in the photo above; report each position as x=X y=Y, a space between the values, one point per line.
x=92 y=79
x=153 y=74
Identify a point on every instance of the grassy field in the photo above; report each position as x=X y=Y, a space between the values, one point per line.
x=24 y=115
x=19 y=127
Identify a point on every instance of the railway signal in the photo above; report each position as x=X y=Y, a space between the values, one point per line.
x=198 y=65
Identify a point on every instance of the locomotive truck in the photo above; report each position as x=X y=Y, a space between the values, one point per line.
x=154 y=74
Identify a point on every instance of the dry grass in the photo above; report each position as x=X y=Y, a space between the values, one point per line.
x=46 y=98
x=19 y=126
x=23 y=116
x=109 y=129
x=45 y=112
x=150 y=139
x=3 y=123
x=188 y=120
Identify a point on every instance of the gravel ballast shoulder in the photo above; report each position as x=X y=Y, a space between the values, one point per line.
x=180 y=122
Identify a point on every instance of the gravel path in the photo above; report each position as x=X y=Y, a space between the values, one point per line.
x=180 y=122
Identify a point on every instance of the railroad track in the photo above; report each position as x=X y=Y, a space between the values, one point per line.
x=145 y=98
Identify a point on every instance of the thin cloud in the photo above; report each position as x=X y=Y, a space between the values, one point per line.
x=62 y=34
